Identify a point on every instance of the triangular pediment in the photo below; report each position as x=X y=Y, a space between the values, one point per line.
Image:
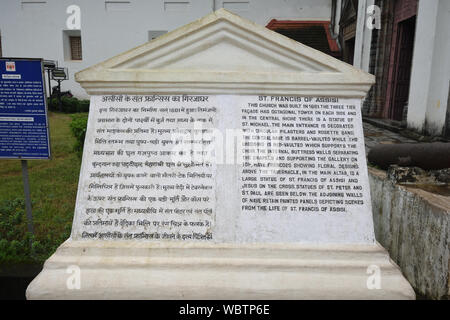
x=234 y=57
x=222 y=48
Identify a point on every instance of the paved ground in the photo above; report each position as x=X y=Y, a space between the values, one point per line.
x=374 y=135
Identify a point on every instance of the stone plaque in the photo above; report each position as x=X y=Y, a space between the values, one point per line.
x=224 y=168
x=222 y=161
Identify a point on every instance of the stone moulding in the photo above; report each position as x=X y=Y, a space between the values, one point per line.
x=253 y=60
x=142 y=270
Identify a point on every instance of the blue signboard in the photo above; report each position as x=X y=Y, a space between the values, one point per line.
x=23 y=110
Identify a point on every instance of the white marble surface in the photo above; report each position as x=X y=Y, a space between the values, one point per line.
x=312 y=188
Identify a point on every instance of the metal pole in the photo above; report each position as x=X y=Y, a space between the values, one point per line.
x=59 y=96
x=26 y=189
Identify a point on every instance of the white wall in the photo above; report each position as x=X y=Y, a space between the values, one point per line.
x=430 y=75
x=437 y=104
x=262 y=11
x=36 y=30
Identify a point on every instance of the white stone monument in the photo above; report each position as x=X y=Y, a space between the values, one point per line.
x=223 y=161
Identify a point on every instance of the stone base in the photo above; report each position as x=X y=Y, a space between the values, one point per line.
x=143 y=270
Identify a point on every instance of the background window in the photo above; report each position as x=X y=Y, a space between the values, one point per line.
x=72 y=45
x=75 y=48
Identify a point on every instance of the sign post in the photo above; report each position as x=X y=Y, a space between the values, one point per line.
x=26 y=189
x=24 y=131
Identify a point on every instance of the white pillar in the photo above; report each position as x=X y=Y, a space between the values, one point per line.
x=360 y=26
x=367 y=40
x=337 y=16
x=430 y=75
x=363 y=37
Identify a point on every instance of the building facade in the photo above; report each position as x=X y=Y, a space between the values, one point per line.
x=40 y=28
x=408 y=54
x=404 y=43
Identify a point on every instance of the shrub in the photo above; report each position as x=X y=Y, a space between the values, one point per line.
x=68 y=105
x=83 y=106
x=78 y=127
x=11 y=213
x=52 y=104
x=16 y=244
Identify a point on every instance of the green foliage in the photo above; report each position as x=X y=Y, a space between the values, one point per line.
x=52 y=104
x=78 y=127
x=16 y=243
x=68 y=105
x=83 y=106
x=53 y=186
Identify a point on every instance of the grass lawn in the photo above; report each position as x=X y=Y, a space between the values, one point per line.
x=53 y=185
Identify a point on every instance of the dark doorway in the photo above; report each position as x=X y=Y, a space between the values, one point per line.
x=402 y=67
x=447 y=121
x=313 y=36
x=349 y=50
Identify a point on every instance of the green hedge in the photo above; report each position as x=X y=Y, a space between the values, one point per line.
x=68 y=105
x=78 y=127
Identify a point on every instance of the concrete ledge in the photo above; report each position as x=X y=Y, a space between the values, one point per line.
x=143 y=270
x=414 y=226
x=393 y=126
